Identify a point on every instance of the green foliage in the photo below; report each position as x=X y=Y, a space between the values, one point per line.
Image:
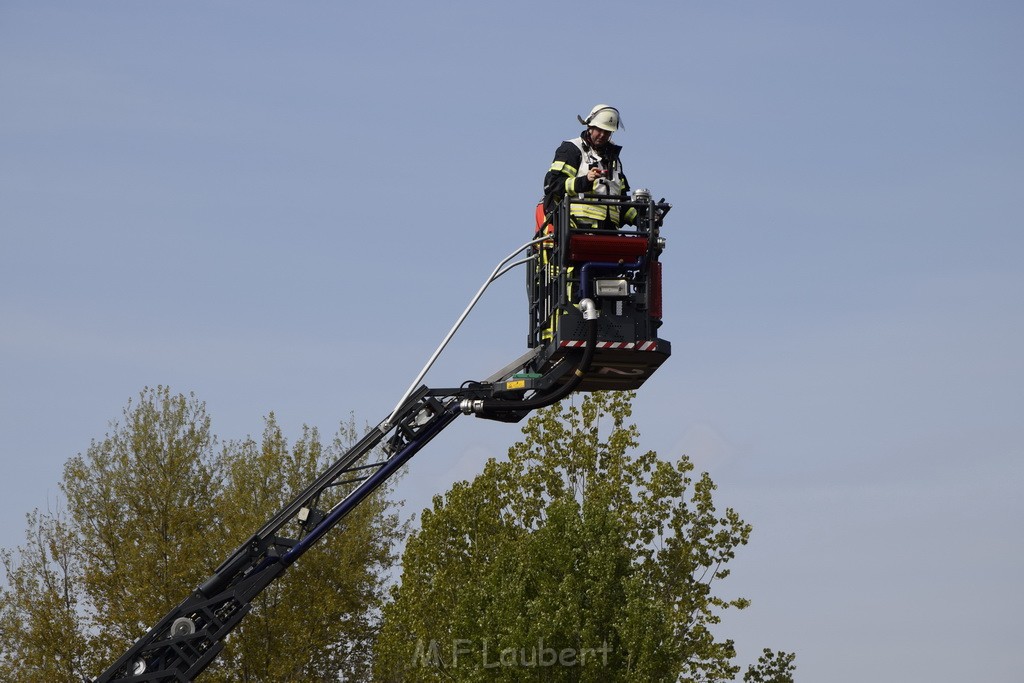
x=152 y=509
x=40 y=638
x=574 y=560
x=771 y=667
x=140 y=506
x=320 y=620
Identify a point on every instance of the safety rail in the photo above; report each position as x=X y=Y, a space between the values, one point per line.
x=579 y=253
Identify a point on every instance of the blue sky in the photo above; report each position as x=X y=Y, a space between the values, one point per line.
x=284 y=207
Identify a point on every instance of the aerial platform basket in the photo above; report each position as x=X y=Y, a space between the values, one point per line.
x=618 y=269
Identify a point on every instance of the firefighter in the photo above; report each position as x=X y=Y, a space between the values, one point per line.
x=590 y=164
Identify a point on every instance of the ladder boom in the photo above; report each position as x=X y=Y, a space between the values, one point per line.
x=578 y=275
x=187 y=639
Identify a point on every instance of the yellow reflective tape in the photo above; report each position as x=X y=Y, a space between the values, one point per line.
x=588 y=211
x=595 y=212
x=515 y=384
x=562 y=167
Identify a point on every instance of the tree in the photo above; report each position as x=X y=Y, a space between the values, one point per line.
x=40 y=638
x=151 y=510
x=140 y=504
x=320 y=620
x=771 y=667
x=574 y=560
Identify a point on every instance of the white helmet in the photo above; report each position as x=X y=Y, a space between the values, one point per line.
x=604 y=117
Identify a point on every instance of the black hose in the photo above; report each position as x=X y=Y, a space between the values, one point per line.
x=556 y=395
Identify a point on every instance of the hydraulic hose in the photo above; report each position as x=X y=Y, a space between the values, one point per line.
x=495 y=404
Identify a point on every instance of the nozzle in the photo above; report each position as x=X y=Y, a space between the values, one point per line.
x=589 y=309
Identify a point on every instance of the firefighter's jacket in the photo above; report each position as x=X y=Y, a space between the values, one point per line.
x=568 y=175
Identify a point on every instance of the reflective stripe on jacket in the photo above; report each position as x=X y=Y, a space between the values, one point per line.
x=568 y=175
x=610 y=183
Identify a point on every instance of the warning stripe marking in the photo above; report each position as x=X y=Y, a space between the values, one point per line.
x=634 y=346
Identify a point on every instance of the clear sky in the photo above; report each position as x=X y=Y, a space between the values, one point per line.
x=284 y=206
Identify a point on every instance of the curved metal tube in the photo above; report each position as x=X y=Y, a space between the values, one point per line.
x=498 y=271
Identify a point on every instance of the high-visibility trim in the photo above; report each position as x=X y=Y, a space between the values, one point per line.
x=562 y=167
x=626 y=346
x=596 y=212
x=612 y=184
x=593 y=210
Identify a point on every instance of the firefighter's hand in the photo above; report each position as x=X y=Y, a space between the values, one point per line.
x=594 y=173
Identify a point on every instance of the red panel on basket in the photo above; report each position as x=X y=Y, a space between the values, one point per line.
x=606 y=248
x=655 y=300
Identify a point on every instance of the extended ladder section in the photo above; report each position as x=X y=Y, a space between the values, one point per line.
x=188 y=638
x=599 y=289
